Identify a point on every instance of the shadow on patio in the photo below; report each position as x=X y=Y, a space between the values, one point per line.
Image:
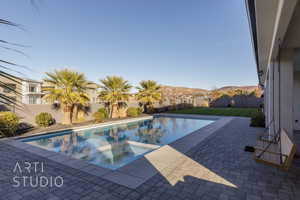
x=220 y=169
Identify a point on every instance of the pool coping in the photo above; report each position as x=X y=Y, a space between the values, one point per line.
x=138 y=171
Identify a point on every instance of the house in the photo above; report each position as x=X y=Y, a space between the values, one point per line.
x=275 y=31
x=27 y=91
x=93 y=93
x=31 y=91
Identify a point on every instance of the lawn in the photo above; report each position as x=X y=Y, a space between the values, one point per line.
x=241 y=112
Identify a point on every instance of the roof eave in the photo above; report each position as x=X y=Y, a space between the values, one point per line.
x=250 y=7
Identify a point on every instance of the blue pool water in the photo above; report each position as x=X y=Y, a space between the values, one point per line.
x=115 y=146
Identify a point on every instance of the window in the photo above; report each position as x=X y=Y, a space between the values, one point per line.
x=11 y=87
x=32 y=99
x=32 y=88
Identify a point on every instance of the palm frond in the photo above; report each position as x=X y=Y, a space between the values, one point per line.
x=14 y=50
x=13 y=44
x=14 y=64
x=6 y=22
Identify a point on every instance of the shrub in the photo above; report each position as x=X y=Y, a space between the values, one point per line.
x=258 y=120
x=104 y=111
x=133 y=112
x=44 y=119
x=9 y=123
x=100 y=115
x=140 y=110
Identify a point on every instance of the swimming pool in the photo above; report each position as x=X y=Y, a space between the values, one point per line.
x=117 y=145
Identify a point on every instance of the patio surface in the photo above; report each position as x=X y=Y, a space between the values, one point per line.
x=216 y=168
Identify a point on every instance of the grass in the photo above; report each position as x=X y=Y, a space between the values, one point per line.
x=241 y=112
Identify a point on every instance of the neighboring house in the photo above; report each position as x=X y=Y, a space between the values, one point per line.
x=31 y=91
x=27 y=91
x=275 y=30
x=93 y=93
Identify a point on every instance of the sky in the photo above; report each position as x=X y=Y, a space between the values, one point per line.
x=194 y=43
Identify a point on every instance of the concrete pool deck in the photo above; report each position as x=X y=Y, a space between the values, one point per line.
x=214 y=168
x=139 y=171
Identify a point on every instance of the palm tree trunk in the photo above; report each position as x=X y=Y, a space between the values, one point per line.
x=67 y=115
x=114 y=110
x=110 y=110
x=75 y=113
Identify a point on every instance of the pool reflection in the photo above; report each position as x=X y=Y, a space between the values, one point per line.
x=116 y=146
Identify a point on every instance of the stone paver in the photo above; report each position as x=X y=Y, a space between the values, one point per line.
x=217 y=168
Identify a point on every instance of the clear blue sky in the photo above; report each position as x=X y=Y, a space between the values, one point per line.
x=194 y=43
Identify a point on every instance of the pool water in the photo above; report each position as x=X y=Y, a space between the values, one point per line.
x=117 y=145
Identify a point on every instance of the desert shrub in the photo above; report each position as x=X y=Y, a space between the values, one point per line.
x=100 y=115
x=44 y=119
x=133 y=112
x=140 y=110
x=9 y=123
x=104 y=111
x=258 y=120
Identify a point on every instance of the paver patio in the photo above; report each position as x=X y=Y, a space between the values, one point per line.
x=217 y=168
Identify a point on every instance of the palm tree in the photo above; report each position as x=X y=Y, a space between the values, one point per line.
x=114 y=93
x=148 y=93
x=69 y=89
x=8 y=68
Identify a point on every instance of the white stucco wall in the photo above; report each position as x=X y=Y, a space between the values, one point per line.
x=279 y=93
x=286 y=89
x=296 y=100
x=276 y=95
x=26 y=93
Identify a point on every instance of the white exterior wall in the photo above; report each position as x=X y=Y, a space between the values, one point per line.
x=296 y=100
x=270 y=85
x=286 y=90
x=266 y=100
x=26 y=92
x=280 y=112
x=276 y=94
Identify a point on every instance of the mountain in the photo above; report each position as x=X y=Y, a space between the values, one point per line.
x=179 y=91
x=247 y=88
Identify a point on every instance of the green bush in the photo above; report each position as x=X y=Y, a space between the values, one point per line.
x=9 y=123
x=140 y=110
x=100 y=115
x=44 y=119
x=104 y=111
x=258 y=120
x=133 y=112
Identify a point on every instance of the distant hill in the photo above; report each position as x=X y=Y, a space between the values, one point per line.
x=181 y=91
x=247 y=88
